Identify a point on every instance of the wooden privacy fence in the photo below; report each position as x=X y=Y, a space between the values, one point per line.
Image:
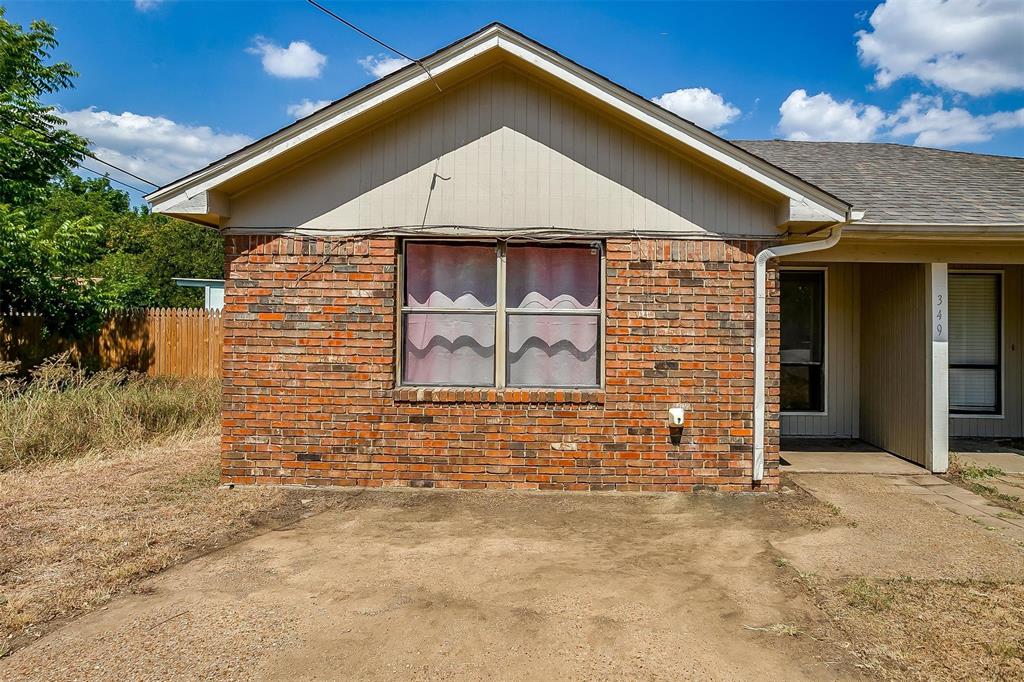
x=157 y=341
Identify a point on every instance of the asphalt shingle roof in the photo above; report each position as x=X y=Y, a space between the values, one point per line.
x=896 y=183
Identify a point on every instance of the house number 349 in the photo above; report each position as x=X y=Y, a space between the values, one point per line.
x=939 y=314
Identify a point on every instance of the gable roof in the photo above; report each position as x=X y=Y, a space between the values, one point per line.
x=899 y=184
x=204 y=195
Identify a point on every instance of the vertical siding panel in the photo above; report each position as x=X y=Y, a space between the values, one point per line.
x=519 y=153
x=603 y=172
x=894 y=358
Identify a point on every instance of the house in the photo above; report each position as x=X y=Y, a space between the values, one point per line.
x=497 y=268
x=213 y=290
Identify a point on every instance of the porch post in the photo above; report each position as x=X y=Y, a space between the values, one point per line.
x=937 y=391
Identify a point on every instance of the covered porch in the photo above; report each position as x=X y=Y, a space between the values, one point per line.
x=901 y=348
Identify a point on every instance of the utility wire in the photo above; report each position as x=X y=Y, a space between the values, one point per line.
x=107 y=176
x=47 y=135
x=376 y=40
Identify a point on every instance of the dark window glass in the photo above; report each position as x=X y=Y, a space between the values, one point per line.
x=803 y=341
x=975 y=343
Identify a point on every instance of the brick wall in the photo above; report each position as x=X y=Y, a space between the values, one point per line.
x=310 y=395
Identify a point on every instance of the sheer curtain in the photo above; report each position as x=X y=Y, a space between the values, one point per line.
x=546 y=348
x=444 y=343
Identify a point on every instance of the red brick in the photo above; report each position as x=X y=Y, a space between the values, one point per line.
x=310 y=375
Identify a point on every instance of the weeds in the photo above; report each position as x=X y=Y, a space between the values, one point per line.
x=970 y=477
x=862 y=594
x=972 y=472
x=63 y=412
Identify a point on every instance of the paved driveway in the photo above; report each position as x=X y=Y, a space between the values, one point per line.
x=429 y=584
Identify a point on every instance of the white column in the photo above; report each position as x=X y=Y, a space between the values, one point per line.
x=937 y=396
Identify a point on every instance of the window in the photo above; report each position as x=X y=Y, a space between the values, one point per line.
x=517 y=315
x=975 y=331
x=803 y=340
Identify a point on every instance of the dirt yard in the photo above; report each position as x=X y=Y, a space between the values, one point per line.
x=859 y=581
x=73 y=533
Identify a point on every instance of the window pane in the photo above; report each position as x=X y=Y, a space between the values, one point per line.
x=450 y=275
x=801 y=389
x=973 y=319
x=449 y=348
x=552 y=350
x=803 y=316
x=548 y=277
x=973 y=390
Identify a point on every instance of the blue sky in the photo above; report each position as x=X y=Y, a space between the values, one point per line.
x=167 y=86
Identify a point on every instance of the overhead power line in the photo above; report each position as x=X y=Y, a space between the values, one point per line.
x=377 y=40
x=47 y=135
x=107 y=176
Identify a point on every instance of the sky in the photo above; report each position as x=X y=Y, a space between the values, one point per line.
x=166 y=86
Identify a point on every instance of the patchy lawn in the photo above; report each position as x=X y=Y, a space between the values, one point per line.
x=908 y=591
x=75 y=532
x=907 y=629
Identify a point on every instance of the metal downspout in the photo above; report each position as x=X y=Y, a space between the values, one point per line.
x=760 y=328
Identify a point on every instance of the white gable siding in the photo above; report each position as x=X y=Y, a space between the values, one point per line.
x=509 y=152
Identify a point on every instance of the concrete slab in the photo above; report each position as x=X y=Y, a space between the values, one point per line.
x=851 y=457
x=1009 y=461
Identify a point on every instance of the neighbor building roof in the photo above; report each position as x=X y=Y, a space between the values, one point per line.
x=900 y=184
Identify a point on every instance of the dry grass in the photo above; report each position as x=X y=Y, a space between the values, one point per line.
x=62 y=412
x=976 y=479
x=75 y=532
x=907 y=629
x=797 y=507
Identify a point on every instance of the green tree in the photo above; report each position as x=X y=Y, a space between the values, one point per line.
x=35 y=146
x=141 y=252
x=71 y=248
x=42 y=274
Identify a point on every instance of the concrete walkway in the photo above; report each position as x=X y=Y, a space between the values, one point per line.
x=834 y=456
x=940 y=492
x=988 y=454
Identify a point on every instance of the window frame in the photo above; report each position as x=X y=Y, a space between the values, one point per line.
x=500 y=311
x=825 y=341
x=1000 y=367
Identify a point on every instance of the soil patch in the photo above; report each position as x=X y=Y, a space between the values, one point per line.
x=73 y=533
x=443 y=584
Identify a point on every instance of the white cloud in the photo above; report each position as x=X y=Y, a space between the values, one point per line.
x=823 y=118
x=925 y=118
x=935 y=126
x=701 y=106
x=298 y=60
x=381 y=65
x=306 y=107
x=971 y=46
x=153 y=147
x=146 y=5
